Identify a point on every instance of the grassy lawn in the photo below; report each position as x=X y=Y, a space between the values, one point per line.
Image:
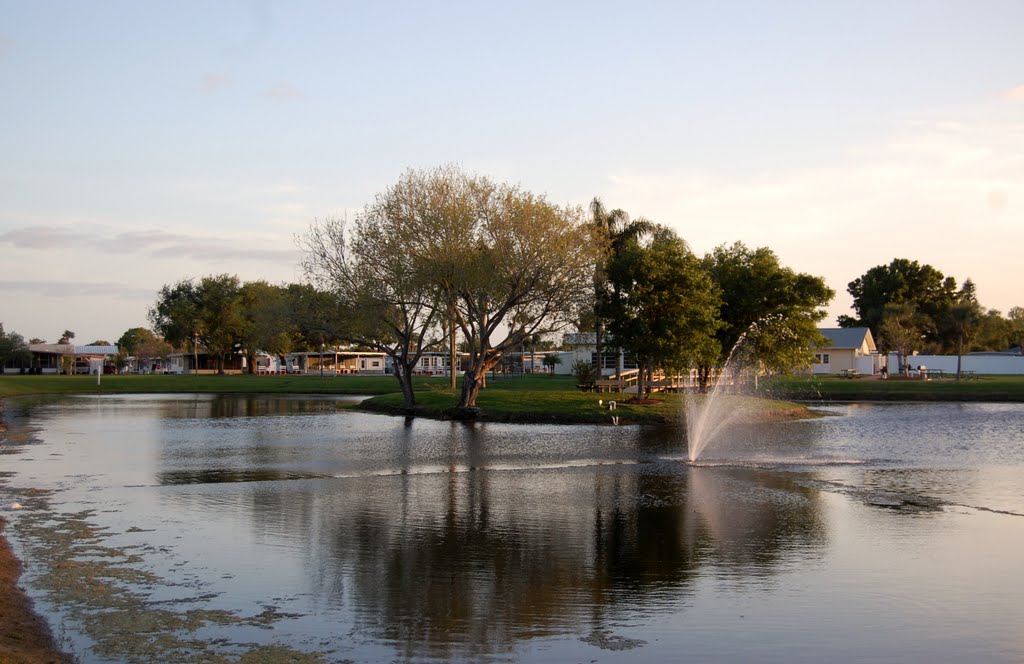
x=555 y=399
x=532 y=398
x=240 y=384
x=834 y=388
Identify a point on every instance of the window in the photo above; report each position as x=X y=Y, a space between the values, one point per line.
x=824 y=358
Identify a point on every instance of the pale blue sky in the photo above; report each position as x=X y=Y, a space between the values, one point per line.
x=147 y=142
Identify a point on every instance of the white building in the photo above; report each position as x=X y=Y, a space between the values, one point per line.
x=848 y=349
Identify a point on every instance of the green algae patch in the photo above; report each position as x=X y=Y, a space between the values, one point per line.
x=103 y=590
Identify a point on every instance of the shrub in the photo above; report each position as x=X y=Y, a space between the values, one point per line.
x=585 y=372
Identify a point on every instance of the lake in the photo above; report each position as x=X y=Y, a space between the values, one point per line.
x=210 y=528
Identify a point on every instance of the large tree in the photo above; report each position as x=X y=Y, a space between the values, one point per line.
x=773 y=308
x=995 y=333
x=900 y=331
x=133 y=337
x=267 y=321
x=385 y=291
x=13 y=349
x=207 y=313
x=661 y=305
x=612 y=231
x=1016 y=316
x=503 y=264
x=175 y=315
x=523 y=270
x=961 y=321
x=901 y=281
x=316 y=318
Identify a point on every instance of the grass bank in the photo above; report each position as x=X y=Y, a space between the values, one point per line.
x=989 y=388
x=527 y=399
x=229 y=384
x=555 y=399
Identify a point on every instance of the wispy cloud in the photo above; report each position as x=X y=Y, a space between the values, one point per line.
x=210 y=83
x=44 y=237
x=155 y=243
x=280 y=189
x=283 y=91
x=135 y=240
x=1015 y=94
x=78 y=289
x=226 y=251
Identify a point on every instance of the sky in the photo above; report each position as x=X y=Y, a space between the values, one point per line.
x=145 y=143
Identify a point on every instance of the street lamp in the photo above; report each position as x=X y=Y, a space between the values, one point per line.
x=321 y=359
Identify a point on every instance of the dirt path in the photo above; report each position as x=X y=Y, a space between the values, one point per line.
x=25 y=638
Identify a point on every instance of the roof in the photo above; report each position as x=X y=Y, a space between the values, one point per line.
x=848 y=337
x=96 y=350
x=581 y=339
x=56 y=349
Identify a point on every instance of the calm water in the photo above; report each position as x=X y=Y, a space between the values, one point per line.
x=881 y=533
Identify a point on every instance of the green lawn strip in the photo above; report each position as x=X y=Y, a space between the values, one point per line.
x=990 y=388
x=229 y=384
x=531 y=398
x=570 y=407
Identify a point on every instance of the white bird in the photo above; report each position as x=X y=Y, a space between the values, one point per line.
x=14 y=506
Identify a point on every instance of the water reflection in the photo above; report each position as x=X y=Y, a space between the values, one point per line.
x=436 y=540
x=466 y=563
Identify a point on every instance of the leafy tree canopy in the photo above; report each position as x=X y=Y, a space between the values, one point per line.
x=661 y=305
x=901 y=281
x=133 y=337
x=208 y=312
x=1016 y=318
x=13 y=348
x=776 y=308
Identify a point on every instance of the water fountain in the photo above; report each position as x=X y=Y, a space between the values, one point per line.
x=710 y=415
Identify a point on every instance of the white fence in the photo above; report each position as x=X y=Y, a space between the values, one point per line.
x=979 y=364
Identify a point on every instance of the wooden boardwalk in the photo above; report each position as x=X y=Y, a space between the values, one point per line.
x=627 y=382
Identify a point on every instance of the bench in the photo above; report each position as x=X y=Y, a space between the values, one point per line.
x=609 y=385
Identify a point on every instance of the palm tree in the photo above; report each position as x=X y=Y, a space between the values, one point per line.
x=613 y=230
x=962 y=320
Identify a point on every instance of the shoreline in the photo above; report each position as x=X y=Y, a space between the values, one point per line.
x=26 y=638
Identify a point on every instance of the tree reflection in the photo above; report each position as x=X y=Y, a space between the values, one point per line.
x=464 y=541
x=470 y=563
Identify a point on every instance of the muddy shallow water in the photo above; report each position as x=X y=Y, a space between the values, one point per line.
x=227 y=528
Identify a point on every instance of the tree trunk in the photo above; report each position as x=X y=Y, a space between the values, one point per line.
x=250 y=359
x=472 y=381
x=403 y=372
x=453 y=357
x=959 y=355
x=703 y=376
